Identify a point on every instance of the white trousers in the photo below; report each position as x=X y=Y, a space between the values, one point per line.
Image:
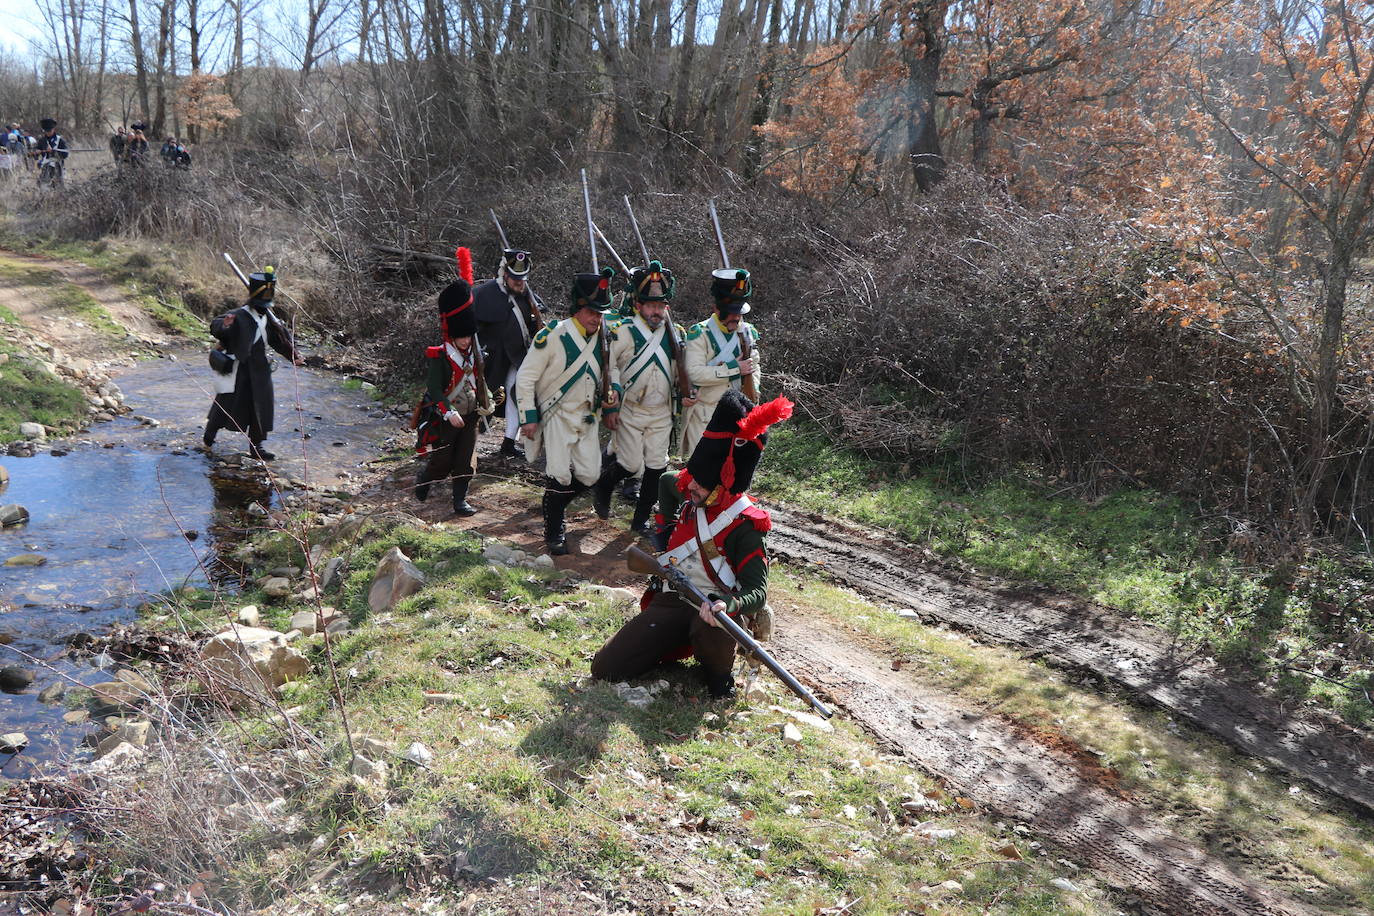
x=512 y=414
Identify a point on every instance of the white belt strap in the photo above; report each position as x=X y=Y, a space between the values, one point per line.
x=586 y=358
x=652 y=352
x=703 y=530
x=726 y=350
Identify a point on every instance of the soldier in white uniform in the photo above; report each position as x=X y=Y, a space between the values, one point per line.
x=713 y=351
x=558 y=391
x=643 y=374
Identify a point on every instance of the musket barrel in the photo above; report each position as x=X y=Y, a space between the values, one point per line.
x=609 y=247
x=238 y=273
x=720 y=239
x=499 y=231
x=591 y=236
x=643 y=249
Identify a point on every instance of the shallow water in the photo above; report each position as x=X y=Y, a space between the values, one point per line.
x=132 y=511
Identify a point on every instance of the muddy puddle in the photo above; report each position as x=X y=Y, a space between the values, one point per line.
x=131 y=509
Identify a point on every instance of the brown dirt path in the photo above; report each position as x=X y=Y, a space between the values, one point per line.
x=63 y=331
x=1074 y=634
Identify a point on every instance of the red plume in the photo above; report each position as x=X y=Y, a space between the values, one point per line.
x=764 y=416
x=464 y=265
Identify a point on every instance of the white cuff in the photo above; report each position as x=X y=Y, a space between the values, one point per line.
x=449 y=415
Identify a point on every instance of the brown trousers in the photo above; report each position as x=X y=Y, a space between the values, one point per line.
x=662 y=628
x=456 y=454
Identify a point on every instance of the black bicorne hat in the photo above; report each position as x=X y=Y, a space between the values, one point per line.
x=729 y=450
x=47 y=123
x=654 y=283
x=592 y=290
x=731 y=288
x=263 y=285
x=516 y=262
x=455 y=310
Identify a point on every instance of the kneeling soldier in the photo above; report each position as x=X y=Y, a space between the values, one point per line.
x=449 y=432
x=715 y=534
x=642 y=372
x=558 y=390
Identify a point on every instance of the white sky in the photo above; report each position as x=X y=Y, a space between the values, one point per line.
x=16 y=24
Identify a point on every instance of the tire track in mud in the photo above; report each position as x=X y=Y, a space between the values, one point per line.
x=1075 y=634
x=983 y=758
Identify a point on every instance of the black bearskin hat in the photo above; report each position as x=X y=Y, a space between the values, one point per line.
x=731 y=288
x=263 y=286
x=516 y=262
x=47 y=123
x=728 y=452
x=455 y=310
x=592 y=290
x=654 y=283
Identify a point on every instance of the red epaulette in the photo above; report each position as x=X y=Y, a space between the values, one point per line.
x=763 y=522
x=684 y=477
x=434 y=352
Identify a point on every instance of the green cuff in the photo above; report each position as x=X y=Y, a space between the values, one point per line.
x=529 y=416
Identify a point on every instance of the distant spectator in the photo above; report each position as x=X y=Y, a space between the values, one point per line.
x=136 y=149
x=169 y=152
x=118 y=142
x=183 y=158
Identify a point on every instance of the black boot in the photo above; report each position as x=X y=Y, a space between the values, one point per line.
x=555 y=529
x=255 y=450
x=422 y=487
x=460 y=497
x=509 y=449
x=630 y=490
x=721 y=686
x=611 y=474
x=644 y=505
x=211 y=430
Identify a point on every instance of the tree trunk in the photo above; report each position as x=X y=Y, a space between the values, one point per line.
x=1328 y=376
x=923 y=48
x=164 y=33
x=684 y=65
x=763 y=94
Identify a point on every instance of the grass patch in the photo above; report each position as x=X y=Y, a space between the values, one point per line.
x=28 y=391
x=1142 y=552
x=1222 y=800
x=546 y=782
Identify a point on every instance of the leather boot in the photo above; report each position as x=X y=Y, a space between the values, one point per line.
x=255 y=450
x=460 y=497
x=555 y=529
x=509 y=450
x=721 y=686
x=603 y=489
x=644 y=505
x=421 y=487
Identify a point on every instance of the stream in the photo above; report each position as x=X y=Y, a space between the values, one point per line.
x=131 y=508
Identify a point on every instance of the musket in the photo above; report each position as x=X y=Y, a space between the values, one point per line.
x=684 y=381
x=530 y=297
x=641 y=561
x=747 y=385
x=604 y=344
x=479 y=367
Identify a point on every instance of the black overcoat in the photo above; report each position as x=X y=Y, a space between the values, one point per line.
x=499 y=328
x=250 y=405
